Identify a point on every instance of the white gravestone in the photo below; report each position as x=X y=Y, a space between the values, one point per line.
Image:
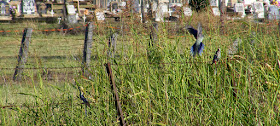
x=249 y=2
x=216 y=11
x=2 y=8
x=122 y=4
x=28 y=6
x=135 y=6
x=214 y=3
x=154 y=6
x=187 y=11
x=161 y=10
x=72 y=19
x=258 y=10
x=100 y=15
x=70 y=9
x=273 y=13
x=239 y=8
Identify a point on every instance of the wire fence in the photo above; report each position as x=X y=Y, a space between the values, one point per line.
x=80 y=45
x=124 y=64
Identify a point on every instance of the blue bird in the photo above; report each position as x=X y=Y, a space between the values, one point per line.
x=198 y=46
x=82 y=97
x=217 y=56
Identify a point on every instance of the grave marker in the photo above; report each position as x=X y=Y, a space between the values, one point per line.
x=239 y=8
x=122 y=4
x=28 y=6
x=135 y=6
x=249 y=2
x=4 y=8
x=273 y=13
x=216 y=11
x=71 y=14
x=42 y=8
x=70 y=9
x=258 y=10
x=72 y=19
x=99 y=14
x=187 y=11
x=214 y=3
x=154 y=6
x=162 y=8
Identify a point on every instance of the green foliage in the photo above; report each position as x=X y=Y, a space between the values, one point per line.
x=244 y=90
x=199 y=4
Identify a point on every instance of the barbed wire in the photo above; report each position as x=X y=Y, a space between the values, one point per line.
x=120 y=64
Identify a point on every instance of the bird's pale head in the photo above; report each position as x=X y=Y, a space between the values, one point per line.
x=81 y=88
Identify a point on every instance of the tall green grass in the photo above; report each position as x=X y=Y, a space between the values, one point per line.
x=180 y=91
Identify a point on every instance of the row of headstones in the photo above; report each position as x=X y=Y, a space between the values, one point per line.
x=259 y=11
x=162 y=10
x=26 y=7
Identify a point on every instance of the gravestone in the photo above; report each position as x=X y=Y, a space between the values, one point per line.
x=161 y=11
x=163 y=1
x=72 y=19
x=135 y=6
x=70 y=9
x=249 y=2
x=122 y=4
x=99 y=15
x=28 y=7
x=114 y=7
x=258 y=10
x=216 y=11
x=239 y=8
x=214 y=3
x=273 y=13
x=71 y=14
x=4 y=8
x=187 y=11
x=154 y=6
x=42 y=8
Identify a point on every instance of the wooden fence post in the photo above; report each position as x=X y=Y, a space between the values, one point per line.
x=114 y=88
x=23 y=54
x=150 y=10
x=112 y=43
x=142 y=11
x=223 y=10
x=153 y=35
x=87 y=49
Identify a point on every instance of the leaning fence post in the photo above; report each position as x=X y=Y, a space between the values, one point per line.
x=23 y=54
x=87 y=49
x=153 y=35
x=114 y=88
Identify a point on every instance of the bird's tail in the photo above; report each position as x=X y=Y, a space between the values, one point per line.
x=200 y=49
x=193 y=50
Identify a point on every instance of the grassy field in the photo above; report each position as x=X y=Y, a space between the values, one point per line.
x=159 y=85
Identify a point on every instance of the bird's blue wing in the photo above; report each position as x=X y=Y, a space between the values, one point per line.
x=201 y=47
